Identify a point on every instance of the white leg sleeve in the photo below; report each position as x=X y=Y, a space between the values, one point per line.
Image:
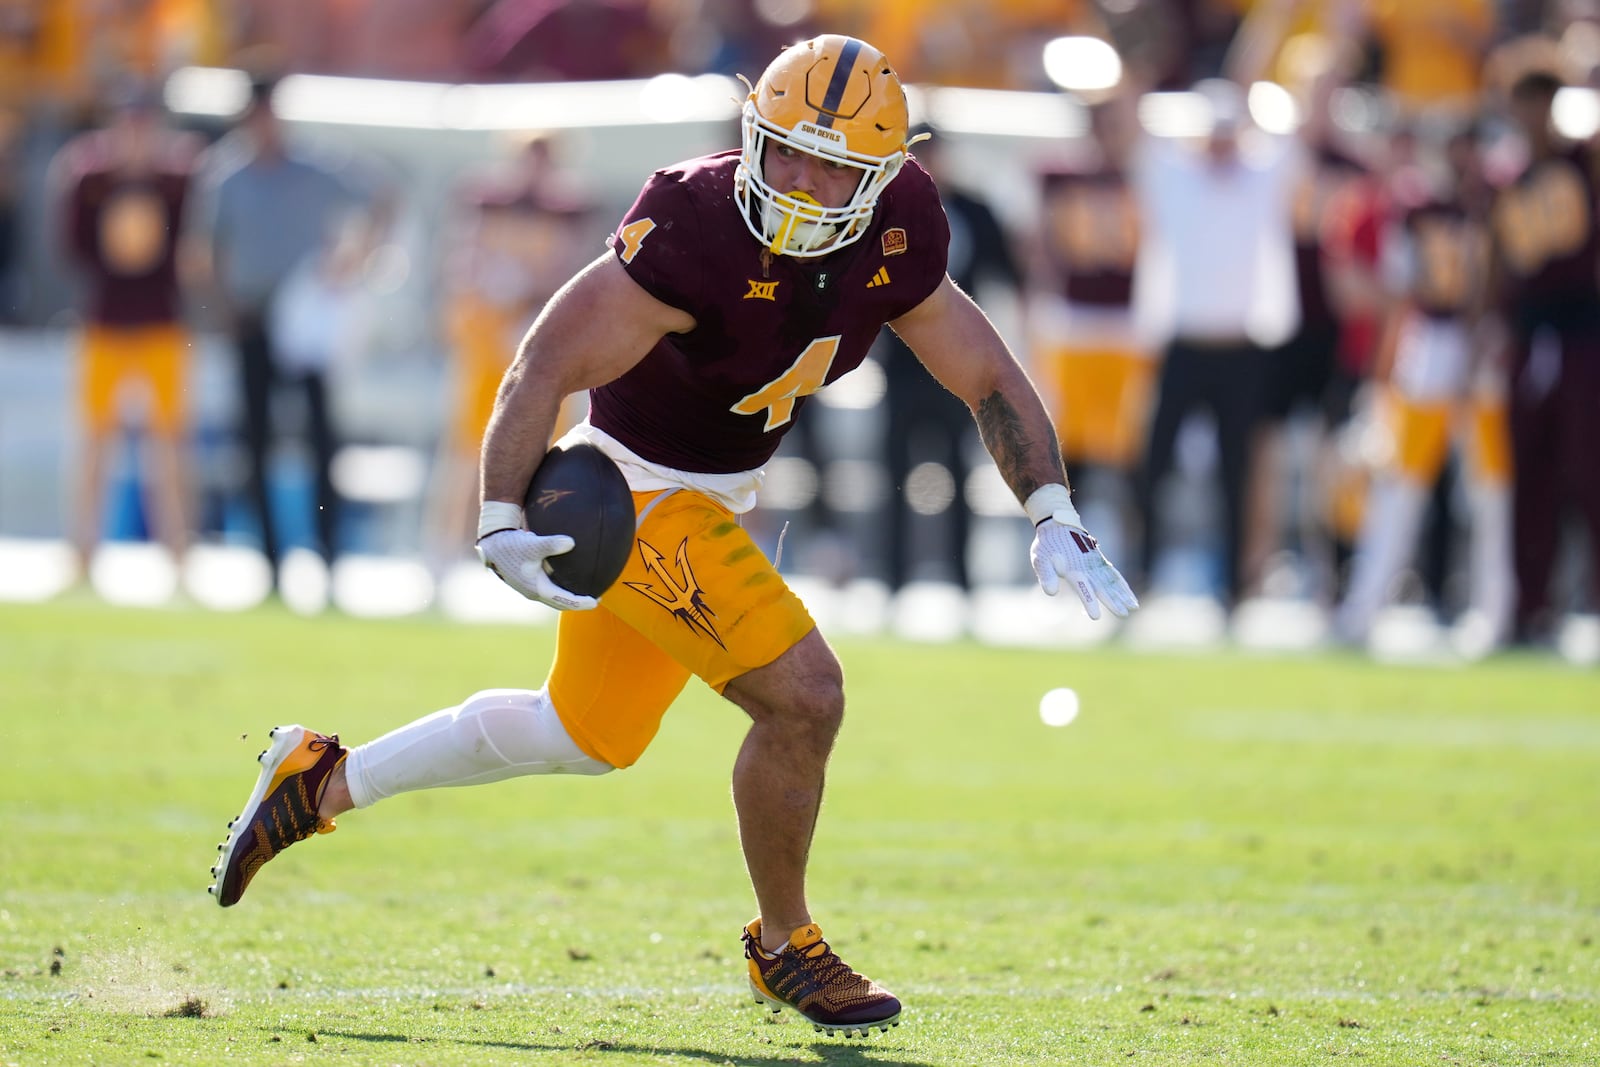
x=493 y=735
x=1492 y=580
x=1388 y=537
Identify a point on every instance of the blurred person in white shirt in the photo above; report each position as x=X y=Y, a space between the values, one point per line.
x=1217 y=283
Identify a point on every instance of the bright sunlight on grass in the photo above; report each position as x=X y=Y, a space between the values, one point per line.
x=1220 y=860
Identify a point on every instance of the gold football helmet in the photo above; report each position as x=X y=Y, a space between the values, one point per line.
x=834 y=97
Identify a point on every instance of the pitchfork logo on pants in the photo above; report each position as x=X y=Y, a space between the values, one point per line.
x=680 y=594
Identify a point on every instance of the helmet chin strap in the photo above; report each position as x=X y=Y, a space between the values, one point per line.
x=793 y=227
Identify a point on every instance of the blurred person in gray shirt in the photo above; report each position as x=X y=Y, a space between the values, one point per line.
x=264 y=208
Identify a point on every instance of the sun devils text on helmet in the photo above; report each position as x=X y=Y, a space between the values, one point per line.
x=834 y=97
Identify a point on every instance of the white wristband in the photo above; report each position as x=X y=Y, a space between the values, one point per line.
x=497 y=515
x=1053 y=501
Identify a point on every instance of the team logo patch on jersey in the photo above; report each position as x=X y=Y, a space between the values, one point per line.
x=761 y=290
x=680 y=593
x=880 y=278
x=894 y=241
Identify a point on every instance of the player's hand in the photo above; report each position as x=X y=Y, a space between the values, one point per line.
x=1062 y=551
x=517 y=558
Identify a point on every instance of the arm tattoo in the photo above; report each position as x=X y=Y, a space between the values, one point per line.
x=1014 y=452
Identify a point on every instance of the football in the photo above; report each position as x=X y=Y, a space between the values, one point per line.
x=579 y=492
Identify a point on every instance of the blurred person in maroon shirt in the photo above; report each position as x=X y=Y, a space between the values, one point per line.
x=1545 y=279
x=122 y=191
x=10 y=214
x=1097 y=370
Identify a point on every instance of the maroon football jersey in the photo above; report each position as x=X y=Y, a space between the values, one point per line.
x=124 y=233
x=1547 y=231
x=1091 y=235
x=770 y=330
x=1450 y=249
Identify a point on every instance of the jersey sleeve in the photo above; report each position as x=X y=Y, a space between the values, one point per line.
x=658 y=241
x=917 y=211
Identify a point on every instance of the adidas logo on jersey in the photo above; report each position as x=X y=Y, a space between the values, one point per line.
x=880 y=278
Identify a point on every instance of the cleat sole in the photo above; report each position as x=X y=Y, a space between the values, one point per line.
x=863 y=1030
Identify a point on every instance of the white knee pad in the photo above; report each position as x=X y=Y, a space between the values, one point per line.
x=492 y=735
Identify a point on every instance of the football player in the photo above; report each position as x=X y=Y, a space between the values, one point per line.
x=123 y=191
x=1544 y=268
x=1435 y=261
x=737 y=286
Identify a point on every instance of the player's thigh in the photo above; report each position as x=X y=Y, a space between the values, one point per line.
x=1421 y=433
x=611 y=685
x=699 y=588
x=162 y=354
x=102 y=366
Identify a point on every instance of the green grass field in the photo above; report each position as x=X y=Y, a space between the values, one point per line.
x=1224 y=860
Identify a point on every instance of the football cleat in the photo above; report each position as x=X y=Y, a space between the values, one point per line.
x=281 y=810
x=810 y=978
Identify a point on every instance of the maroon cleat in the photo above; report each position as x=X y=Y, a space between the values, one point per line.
x=808 y=977
x=281 y=810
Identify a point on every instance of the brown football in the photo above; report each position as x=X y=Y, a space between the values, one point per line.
x=579 y=492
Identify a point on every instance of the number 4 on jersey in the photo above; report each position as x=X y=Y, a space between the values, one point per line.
x=805 y=376
x=632 y=236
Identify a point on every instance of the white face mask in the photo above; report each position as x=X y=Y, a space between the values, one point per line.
x=796 y=224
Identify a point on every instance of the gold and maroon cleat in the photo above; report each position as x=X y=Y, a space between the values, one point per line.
x=281 y=810
x=809 y=977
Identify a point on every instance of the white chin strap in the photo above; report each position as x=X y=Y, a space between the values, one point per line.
x=789 y=229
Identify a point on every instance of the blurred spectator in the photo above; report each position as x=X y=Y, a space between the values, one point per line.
x=1354 y=224
x=122 y=196
x=926 y=424
x=737 y=36
x=418 y=39
x=993 y=44
x=1094 y=370
x=1432 y=51
x=322 y=315
x=1547 y=258
x=1217 y=222
x=565 y=40
x=266 y=208
x=1283 y=534
x=1173 y=43
x=11 y=208
x=62 y=52
x=1436 y=260
x=517 y=237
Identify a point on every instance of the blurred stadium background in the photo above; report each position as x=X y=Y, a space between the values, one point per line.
x=428 y=94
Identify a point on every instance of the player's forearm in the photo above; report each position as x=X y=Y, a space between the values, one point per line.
x=525 y=413
x=1020 y=437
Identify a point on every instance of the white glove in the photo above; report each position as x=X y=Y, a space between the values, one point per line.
x=1062 y=548
x=517 y=556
